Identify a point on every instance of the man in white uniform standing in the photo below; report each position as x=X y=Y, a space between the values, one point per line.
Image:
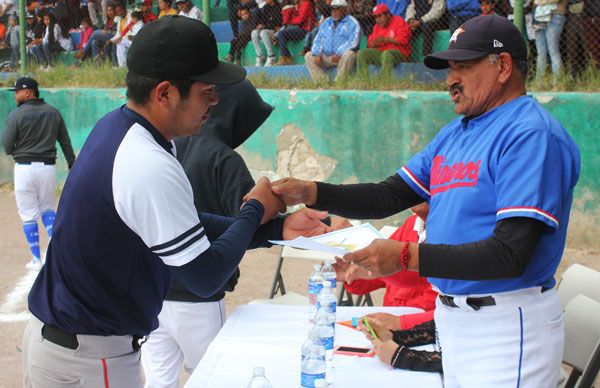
x=30 y=137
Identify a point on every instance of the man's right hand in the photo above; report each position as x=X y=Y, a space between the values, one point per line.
x=295 y=191
x=263 y=194
x=319 y=61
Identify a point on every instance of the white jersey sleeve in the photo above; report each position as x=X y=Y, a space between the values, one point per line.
x=154 y=198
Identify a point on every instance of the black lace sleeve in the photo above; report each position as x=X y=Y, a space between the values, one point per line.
x=423 y=334
x=417 y=360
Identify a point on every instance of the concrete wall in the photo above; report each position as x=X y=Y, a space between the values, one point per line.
x=346 y=136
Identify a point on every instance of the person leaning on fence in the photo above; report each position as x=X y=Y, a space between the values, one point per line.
x=298 y=26
x=335 y=44
x=135 y=25
x=56 y=38
x=388 y=45
x=145 y=7
x=187 y=9
x=269 y=20
x=424 y=17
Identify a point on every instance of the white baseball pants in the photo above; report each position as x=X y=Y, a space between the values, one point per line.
x=35 y=189
x=185 y=330
x=516 y=343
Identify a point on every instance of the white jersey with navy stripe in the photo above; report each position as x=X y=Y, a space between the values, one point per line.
x=125 y=215
x=513 y=161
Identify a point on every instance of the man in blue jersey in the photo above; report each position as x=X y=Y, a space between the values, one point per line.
x=126 y=221
x=499 y=180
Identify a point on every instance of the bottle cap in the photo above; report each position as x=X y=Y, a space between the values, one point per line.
x=259 y=371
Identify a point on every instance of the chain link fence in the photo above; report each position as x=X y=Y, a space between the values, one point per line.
x=310 y=39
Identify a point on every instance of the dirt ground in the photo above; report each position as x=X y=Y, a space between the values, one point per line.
x=257 y=270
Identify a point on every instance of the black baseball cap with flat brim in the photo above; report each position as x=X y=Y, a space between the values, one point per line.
x=477 y=37
x=24 y=83
x=177 y=47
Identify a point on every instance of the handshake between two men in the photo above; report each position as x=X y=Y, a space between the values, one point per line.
x=380 y=258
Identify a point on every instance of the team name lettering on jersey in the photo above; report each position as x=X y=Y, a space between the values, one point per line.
x=445 y=176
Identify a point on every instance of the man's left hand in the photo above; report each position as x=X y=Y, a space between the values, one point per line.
x=305 y=222
x=335 y=58
x=381 y=257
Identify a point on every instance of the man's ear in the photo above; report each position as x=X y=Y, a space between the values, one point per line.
x=161 y=94
x=506 y=67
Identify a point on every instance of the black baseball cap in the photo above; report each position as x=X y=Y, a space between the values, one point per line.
x=178 y=47
x=482 y=35
x=24 y=83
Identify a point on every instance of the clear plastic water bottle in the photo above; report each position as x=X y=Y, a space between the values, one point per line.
x=313 y=364
x=329 y=273
x=325 y=332
x=313 y=340
x=315 y=283
x=327 y=301
x=259 y=380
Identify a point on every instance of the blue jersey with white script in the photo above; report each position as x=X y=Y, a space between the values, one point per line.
x=513 y=161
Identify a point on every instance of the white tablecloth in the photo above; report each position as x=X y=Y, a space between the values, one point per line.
x=271 y=336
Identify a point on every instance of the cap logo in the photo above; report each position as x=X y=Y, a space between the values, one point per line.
x=497 y=43
x=455 y=35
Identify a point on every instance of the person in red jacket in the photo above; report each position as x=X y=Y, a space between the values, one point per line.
x=388 y=45
x=405 y=288
x=301 y=24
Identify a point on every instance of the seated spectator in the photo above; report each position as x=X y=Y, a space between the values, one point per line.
x=244 y=36
x=269 y=20
x=487 y=7
x=146 y=10
x=323 y=11
x=388 y=45
x=549 y=19
x=334 y=45
x=405 y=288
x=11 y=40
x=396 y=7
x=591 y=23
x=136 y=22
x=56 y=38
x=165 y=8
x=122 y=20
x=393 y=347
x=459 y=11
x=423 y=17
x=95 y=46
x=86 y=31
x=187 y=9
x=38 y=32
x=362 y=10
x=30 y=26
x=295 y=29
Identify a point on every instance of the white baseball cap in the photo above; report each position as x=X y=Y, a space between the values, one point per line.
x=338 y=3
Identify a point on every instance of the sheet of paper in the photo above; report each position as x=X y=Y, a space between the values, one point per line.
x=339 y=243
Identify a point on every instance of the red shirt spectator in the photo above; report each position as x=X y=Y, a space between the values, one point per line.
x=394 y=27
x=305 y=18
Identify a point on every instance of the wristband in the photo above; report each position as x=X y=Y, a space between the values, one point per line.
x=404 y=257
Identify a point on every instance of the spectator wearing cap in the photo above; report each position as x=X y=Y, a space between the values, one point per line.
x=335 y=44
x=459 y=11
x=187 y=9
x=146 y=10
x=549 y=18
x=269 y=21
x=29 y=28
x=423 y=17
x=165 y=8
x=295 y=29
x=388 y=45
x=136 y=23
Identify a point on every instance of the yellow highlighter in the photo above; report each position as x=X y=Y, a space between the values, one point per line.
x=371 y=331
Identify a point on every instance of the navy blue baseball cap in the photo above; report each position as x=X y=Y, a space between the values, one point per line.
x=477 y=37
x=178 y=47
x=24 y=83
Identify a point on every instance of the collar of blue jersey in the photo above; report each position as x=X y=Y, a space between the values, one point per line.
x=467 y=119
x=138 y=118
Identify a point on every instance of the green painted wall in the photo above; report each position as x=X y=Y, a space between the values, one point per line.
x=369 y=134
